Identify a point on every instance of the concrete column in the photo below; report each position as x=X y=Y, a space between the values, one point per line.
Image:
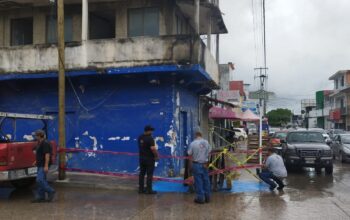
x=121 y=22
x=7 y=31
x=2 y=31
x=85 y=20
x=39 y=30
x=196 y=16
x=209 y=32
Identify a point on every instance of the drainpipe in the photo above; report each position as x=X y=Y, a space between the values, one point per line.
x=218 y=48
x=85 y=20
x=197 y=50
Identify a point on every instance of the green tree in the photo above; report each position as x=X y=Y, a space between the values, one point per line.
x=279 y=116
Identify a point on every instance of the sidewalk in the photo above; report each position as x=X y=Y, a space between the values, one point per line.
x=96 y=181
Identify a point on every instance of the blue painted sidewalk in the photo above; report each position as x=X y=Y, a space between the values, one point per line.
x=238 y=186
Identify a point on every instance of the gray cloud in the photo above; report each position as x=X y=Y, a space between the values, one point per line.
x=307 y=41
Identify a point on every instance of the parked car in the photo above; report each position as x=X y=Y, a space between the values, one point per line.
x=272 y=131
x=307 y=149
x=275 y=140
x=341 y=147
x=334 y=132
x=252 y=130
x=240 y=134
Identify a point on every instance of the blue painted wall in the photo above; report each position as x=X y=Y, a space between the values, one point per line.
x=108 y=113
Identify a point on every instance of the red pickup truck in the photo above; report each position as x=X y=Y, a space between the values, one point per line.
x=16 y=162
x=17 y=158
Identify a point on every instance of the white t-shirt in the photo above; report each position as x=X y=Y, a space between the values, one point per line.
x=275 y=165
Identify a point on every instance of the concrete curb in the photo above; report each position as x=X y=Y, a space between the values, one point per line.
x=80 y=184
x=75 y=180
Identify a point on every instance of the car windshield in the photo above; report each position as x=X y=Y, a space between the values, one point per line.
x=280 y=135
x=345 y=139
x=299 y=137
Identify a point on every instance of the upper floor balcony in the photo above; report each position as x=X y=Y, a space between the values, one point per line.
x=108 y=53
x=108 y=34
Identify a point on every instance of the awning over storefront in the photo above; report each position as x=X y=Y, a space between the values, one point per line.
x=249 y=116
x=222 y=113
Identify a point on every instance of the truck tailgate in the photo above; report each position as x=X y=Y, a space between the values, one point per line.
x=21 y=155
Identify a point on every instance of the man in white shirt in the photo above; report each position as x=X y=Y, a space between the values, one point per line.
x=273 y=170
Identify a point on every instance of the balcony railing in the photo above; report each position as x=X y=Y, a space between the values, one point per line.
x=100 y=54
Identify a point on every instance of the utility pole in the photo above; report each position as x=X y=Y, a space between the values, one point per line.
x=263 y=94
x=61 y=90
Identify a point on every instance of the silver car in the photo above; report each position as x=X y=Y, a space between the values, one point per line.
x=341 y=147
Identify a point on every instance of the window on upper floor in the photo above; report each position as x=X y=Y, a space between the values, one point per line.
x=51 y=29
x=143 y=22
x=336 y=84
x=21 y=31
x=342 y=81
x=102 y=24
x=182 y=26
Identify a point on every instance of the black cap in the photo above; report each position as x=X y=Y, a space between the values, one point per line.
x=149 y=128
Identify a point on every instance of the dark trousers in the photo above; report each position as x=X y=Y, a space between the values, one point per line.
x=146 y=167
x=201 y=181
x=271 y=179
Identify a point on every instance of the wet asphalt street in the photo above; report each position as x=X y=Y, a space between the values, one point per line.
x=307 y=196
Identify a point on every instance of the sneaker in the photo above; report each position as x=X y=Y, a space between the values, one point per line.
x=51 y=196
x=151 y=192
x=38 y=201
x=272 y=188
x=207 y=200
x=199 y=201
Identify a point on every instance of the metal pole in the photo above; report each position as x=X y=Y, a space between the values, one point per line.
x=196 y=17
x=85 y=20
x=61 y=90
x=264 y=23
x=218 y=48
x=260 y=132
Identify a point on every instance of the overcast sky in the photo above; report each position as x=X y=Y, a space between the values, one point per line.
x=307 y=41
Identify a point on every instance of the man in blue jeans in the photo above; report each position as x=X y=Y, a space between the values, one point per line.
x=199 y=149
x=43 y=161
x=273 y=170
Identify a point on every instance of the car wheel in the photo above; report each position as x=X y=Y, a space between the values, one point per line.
x=23 y=183
x=329 y=169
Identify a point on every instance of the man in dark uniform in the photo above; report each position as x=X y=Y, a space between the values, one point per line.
x=148 y=157
x=43 y=161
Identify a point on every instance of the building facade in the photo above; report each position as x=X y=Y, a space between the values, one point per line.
x=128 y=63
x=340 y=100
x=322 y=111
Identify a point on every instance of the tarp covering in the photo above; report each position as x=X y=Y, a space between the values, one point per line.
x=222 y=113
x=249 y=116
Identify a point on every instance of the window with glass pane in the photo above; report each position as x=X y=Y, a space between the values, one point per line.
x=143 y=22
x=51 y=29
x=21 y=31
